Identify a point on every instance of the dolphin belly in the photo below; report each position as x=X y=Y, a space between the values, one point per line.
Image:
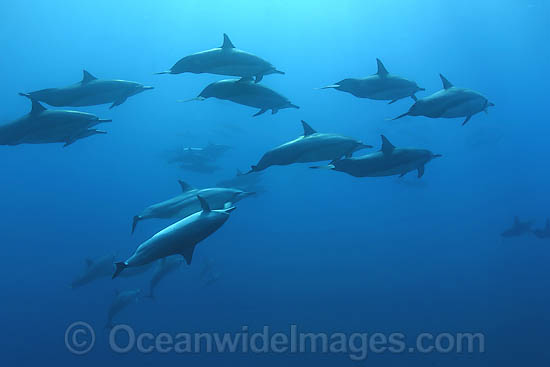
x=464 y=108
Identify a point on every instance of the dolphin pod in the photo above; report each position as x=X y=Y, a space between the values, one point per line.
x=90 y=91
x=224 y=60
x=188 y=203
x=380 y=86
x=389 y=161
x=178 y=239
x=311 y=147
x=450 y=102
x=42 y=126
x=245 y=92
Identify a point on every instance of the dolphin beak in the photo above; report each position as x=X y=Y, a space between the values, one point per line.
x=104 y=120
x=147 y=87
x=436 y=156
x=247 y=194
x=491 y=104
x=421 y=89
x=199 y=98
x=330 y=86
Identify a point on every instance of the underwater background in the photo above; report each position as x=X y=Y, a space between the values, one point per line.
x=321 y=250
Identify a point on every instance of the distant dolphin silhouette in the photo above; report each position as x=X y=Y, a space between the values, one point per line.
x=380 y=86
x=90 y=91
x=224 y=60
x=519 y=228
x=449 y=102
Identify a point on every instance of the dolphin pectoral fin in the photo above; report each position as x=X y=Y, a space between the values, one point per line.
x=414 y=98
x=135 y=221
x=263 y=110
x=187 y=254
x=393 y=101
x=118 y=102
x=467 y=119
x=259 y=78
x=120 y=266
x=274 y=111
x=403 y=115
x=420 y=171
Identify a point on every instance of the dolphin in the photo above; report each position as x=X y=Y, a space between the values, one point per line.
x=310 y=147
x=544 y=232
x=242 y=181
x=450 y=102
x=388 y=161
x=90 y=91
x=164 y=267
x=42 y=126
x=224 y=60
x=244 y=91
x=381 y=86
x=519 y=228
x=95 y=269
x=179 y=238
x=121 y=301
x=187 y=202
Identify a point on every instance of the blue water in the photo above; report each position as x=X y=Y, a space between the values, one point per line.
x=322 y=250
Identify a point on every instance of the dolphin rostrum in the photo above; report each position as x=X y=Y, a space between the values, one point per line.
x=244 y=91
x=179 y=238
x=544 y=232
x=187 y=202
x=519 y=228
x=380 y=86
x=164 y=267
x=90 y=91
x=42 y=126
x=224 y=60
x=121 y=301
x=450 y=102
x=310 y=147
x=388 y=161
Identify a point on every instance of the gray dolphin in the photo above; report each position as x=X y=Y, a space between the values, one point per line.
x=519 y=228
x=90 y=91
x=244 y=91
x=121 y=301
x=42 y=126
x=187 y=202
x=380 y=86
x=178 y=239
x=310 y=147
x=544 y=232
x=388 y=161
x=95 y=269
x=450 y=102
x=164 y=267
x=224 y=60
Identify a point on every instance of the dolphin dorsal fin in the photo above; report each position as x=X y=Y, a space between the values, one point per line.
x=387 y=147
x=446 y=84
x=87 y=77
x=204 y=205
x=308 y=130
x=227 y=42
x=36 y=107
x=381 y=69
x=185 y=186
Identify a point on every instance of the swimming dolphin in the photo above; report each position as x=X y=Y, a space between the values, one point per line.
x=388 y=161
x=544 y=232
x=449 y=102
x=224 y=60
x=90 y=91
x=310 y=147
x=244 y=91
x=42 y=126
x=187 y=202
x=179 y=238
x=95 y=269
x=121 y=301
x=164 y=267
x=381 y=86
x=519 y=228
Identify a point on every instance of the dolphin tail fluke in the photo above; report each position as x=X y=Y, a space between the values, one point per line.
x=400 y=116
x=163 y=72
x=135 y=221
x=191 y=99
x=120 y=266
